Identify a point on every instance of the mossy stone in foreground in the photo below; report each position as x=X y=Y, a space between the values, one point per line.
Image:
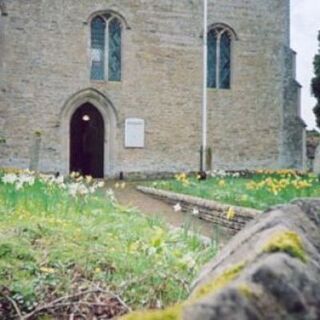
x=288 y=242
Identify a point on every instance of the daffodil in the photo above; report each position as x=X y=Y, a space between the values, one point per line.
x=133 y=247
x=47 y=270
x=231 y=213
x=88 y=179
x=195 y=211
x=177 y=207
x=9 y=178
x=100 y=184
x=222 y=183
x=158 y=238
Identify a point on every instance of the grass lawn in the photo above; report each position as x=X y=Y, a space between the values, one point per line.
x=259 y=190
x=68 y=247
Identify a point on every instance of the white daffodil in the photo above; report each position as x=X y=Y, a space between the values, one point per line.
x=82 y=190
x=63 y=186
x=32 y=181
x=72 y=189
x=188 y=261
x=88 y=179
x=195 y=211
x=59 y=180
x=46 y=178
x=177 y=207
x=110 y=195
x=152 y=251
x=158 y=304
x=26 y=179
x=19 y=185
x=92 y=189
x=9 y=178
x=100 y=184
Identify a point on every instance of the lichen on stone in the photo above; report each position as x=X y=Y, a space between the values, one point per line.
x=245 y=290
x=288 y=242
x=219 y=282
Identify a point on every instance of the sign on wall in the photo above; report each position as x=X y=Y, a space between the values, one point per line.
x=134 y=133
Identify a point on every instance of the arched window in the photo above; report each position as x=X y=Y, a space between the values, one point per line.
x=220 y=39
x=106 y=33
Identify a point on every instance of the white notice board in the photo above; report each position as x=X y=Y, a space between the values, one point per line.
x=134 y=133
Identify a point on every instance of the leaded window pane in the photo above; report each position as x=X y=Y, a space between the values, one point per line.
x=225 y=61
x=98 y=27
x=115 y=50
x=212 y=59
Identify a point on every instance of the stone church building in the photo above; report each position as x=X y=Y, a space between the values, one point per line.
x=110 y=86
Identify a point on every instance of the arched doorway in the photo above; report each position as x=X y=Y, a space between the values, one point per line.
x=87 y=141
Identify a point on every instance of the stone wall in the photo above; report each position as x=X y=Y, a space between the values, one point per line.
x=44 y=63
x=208 y=210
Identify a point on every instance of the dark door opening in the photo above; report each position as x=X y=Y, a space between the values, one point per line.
x=87 y=141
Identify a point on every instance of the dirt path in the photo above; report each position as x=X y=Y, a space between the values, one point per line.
x=129 y=196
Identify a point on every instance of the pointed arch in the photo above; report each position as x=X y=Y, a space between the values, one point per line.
x=112 y=13
x=88 y=95
x=223 y=26
x=107 y=110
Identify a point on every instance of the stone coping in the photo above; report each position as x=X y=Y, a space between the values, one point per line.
x=209 y=210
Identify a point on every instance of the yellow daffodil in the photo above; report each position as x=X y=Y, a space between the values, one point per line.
x=47 y=270
x=133 y=247
x=231 y=213
x=222 y=183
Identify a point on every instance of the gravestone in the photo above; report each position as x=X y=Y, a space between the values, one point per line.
x=35 y=152
x=316 y=161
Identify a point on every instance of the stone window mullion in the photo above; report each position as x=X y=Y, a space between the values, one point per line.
x=218 y=60
x=106 y=48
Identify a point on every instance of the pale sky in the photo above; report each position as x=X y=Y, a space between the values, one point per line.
x=305 y=23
